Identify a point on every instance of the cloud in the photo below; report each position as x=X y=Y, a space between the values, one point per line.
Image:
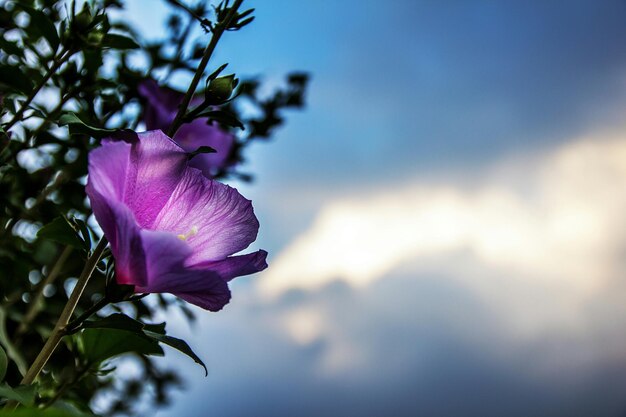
x=551 y=218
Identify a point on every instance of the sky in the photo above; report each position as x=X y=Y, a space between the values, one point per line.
x=445 y=219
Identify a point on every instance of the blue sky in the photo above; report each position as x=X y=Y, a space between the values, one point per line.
x=444 y=220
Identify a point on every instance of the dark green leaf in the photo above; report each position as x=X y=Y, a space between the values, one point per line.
x=116 y=321
x=115 y=41
x=78 y=127
x=41 y=25
x=102 y=344
x=223 y=117
x=24 y=394
x=14 y=78
x=45 y=412
x=201 y=149
x=11 y=48
x=81 y=226
x=179 y=345
x=60 y=230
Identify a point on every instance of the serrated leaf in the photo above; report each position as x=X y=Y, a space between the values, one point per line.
x=24 y=394
x=103 y=344
x=179 y=345
x=115 y=41
x=60 y=230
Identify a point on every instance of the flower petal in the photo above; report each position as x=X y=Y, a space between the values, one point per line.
x=121 y=229
x=213 y=218
x=165 y=256
x=236 y=266
x=161 y=105
x=212 y=298
x=156 y=167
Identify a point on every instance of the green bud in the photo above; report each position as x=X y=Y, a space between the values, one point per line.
x=95 y=38
x=220 y=89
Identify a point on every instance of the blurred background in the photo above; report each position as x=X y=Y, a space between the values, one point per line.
x=445 y=221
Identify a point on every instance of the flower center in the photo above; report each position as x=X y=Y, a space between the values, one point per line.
x=190 y=233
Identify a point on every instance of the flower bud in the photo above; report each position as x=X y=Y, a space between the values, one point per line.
x=220 y=89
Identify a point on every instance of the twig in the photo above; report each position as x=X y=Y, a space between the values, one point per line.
x=219 y=29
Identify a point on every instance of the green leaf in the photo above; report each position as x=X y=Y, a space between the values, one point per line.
x=78 y=127
x=41 y=25
x=179 y=345
x=60 y=230
x=4 y=362
x=102 y=344
x=45 y=412
x=154 y=332
x=225 y=118
x=115 y=41
x=10 y=47
x=24 y=394
x=14 y=78
x=201 y=149
x=81 y=227
x=117 y=321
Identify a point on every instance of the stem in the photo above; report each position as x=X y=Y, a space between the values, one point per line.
x=35 y=304
x=220 y=27
x=75 y=324
x=55 y=66
x=60 y=329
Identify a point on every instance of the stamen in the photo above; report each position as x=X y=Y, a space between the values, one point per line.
x=192 y=232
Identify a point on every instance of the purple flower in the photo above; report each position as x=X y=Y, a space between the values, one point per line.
x=171 y=228
x=159 y=112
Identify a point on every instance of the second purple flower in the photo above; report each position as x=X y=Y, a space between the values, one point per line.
x=161 y=106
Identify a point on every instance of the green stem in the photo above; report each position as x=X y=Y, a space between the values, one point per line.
x=60 y=329
x=75 y=324
x=219 y=29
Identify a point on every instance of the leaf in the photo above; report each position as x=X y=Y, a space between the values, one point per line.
x=201 y=149
x=102 y=344
x=41 y=25
x=115 y=41
x=24 y=394
x=225 y=118
x=14 y=78
x=4 y=362
x=78 y=127
x=179 y=345
x=154 y=332
x=10 y=47
x=45 y=412
x=81 y=226
x=116 y=321
x=60 y=230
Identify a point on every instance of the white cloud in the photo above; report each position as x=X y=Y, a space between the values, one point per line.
x=553 y=219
